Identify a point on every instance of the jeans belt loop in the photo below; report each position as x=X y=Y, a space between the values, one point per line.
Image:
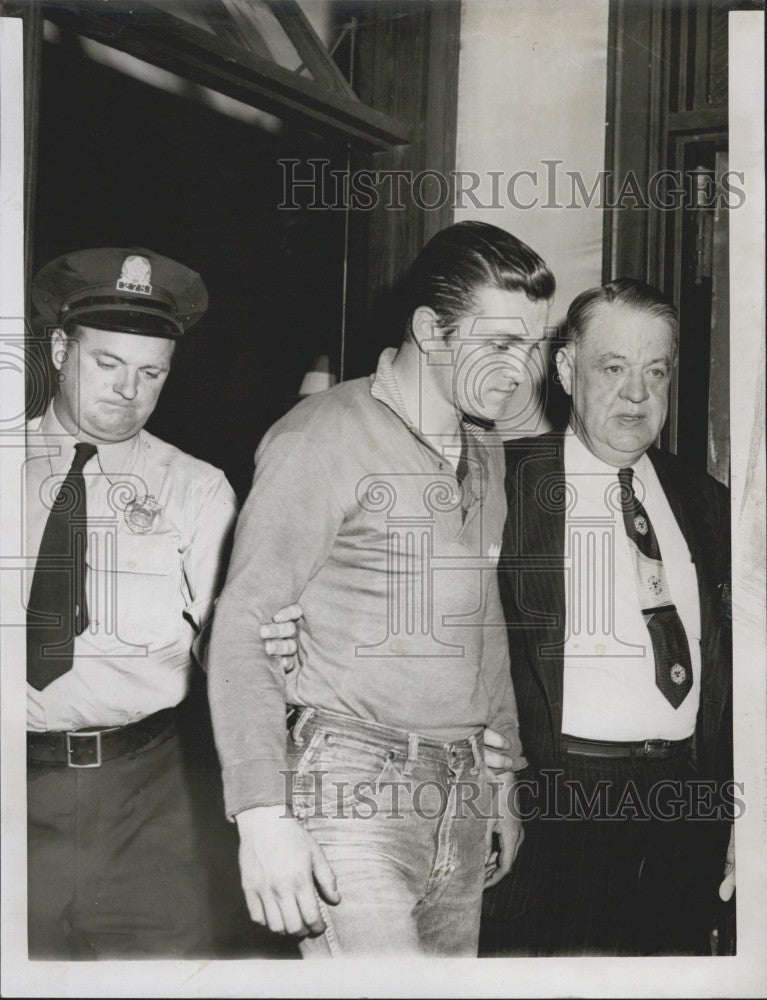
x=473 y=743
x=412 y=753
x=303 y=718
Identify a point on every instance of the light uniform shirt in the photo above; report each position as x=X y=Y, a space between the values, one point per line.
x=609 y=677
x=149 y=594
x=357 y=516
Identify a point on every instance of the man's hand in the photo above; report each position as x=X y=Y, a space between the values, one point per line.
x=508 y=832
x=727 y=887
x=281 y=637
x=495 y=751
x=280 y=864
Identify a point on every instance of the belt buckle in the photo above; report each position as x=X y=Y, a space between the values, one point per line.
x=80 y=736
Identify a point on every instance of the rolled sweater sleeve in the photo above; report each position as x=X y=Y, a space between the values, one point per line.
x=283 y=537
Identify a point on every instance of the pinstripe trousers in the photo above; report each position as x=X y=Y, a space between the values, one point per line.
x=611 y=864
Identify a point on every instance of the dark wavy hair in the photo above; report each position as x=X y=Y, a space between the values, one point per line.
x=623 y=291
x=463 y=259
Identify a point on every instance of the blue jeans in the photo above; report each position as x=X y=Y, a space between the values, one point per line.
x=402 y=820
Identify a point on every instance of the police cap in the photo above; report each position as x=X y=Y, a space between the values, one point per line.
x=124 y=290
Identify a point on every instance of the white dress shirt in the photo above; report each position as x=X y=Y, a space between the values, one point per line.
x=609 y=676
x=149 y=592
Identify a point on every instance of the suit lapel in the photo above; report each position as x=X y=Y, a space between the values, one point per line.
x=539 y=497
x=690 y=514
x=680 y=501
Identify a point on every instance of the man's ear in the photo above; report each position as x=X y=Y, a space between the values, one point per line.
x=59 y=348
x=425 y=324
x=564 y=361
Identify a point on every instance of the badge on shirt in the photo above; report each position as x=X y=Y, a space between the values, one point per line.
x=142 y=514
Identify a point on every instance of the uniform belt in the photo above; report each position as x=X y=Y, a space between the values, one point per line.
x=658 y=749
x=93 y=747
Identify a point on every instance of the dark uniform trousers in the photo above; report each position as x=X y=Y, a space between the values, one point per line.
x=114 y=867
x=624 y=882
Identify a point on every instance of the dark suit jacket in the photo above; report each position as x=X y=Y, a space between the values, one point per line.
x=532 y=586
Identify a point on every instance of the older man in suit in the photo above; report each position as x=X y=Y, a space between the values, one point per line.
x=614 y=582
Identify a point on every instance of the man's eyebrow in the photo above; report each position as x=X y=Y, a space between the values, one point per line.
x=611 y=356
x=510 y=336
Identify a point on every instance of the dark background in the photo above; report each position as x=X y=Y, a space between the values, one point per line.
x=122 y=163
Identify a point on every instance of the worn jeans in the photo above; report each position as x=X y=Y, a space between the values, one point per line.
x=402 y=820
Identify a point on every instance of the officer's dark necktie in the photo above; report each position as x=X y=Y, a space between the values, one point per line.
x=57 y=609
x=673 y=667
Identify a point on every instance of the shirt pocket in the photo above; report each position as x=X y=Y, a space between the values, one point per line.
x=136 y=582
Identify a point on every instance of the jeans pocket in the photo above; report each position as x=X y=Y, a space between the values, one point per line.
x=338 y=777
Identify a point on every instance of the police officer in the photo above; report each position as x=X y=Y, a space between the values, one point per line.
x=125 y=537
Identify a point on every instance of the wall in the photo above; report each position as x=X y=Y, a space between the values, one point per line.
x=532 y=88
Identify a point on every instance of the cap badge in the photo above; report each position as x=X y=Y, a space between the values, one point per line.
x=142 y=514
x=136 y=276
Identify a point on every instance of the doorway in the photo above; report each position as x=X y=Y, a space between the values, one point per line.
x=123 y=163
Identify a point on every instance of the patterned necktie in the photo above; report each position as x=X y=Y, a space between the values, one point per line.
x=57 y=609
x=462 y=471
x=673 y=667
